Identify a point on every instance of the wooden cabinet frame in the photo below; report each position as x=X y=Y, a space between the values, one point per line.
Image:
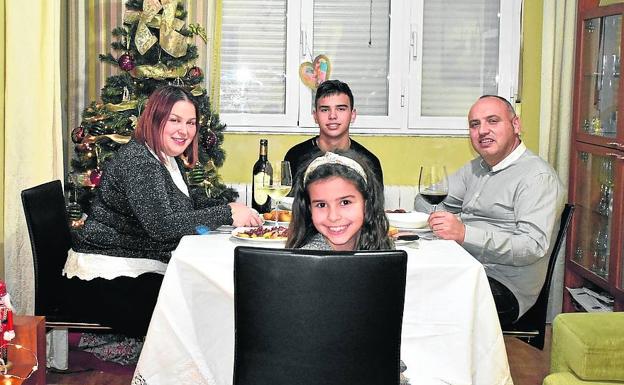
x=598 y=145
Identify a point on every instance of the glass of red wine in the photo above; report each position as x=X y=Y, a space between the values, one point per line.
x=433 y=184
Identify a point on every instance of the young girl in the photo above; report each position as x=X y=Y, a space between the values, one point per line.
x=338 y=205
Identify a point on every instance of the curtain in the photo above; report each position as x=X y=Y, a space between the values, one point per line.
x=32 y=128
x=2 y=89
x=215 y=53
x=558 y=36
x=88 y=30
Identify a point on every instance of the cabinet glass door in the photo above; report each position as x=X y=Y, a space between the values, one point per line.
x=595 y=181
x=601 y=72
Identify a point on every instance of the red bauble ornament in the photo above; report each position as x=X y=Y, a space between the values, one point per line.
x=83 y=147
x=210 y=139
x=95 y=177
x=77 y=134
x=195 y=72
x=126 y=62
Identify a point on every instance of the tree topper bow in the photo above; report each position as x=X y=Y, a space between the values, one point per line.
x=171 y=41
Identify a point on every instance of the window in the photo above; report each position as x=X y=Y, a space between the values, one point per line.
x=414 y=65
x=259 y=83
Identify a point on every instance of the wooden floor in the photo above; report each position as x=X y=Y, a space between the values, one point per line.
x=528 y=366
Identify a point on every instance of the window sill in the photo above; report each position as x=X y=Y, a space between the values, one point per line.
x=352 y=130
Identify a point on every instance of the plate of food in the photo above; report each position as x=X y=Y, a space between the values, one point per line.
x=283 y=218
x=412 y=220
x=261 y=234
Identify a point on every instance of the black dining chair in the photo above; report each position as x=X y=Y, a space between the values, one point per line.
x=50 y=240
x=531 y=327
x=318 y=317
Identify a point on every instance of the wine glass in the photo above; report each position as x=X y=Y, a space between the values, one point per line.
x=280 y=185
x=433 y=184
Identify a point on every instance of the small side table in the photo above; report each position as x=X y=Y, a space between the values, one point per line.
x=30 y=333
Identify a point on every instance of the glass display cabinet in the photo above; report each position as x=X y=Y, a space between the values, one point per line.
x=595 y=249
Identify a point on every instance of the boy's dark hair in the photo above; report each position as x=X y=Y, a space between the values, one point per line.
x=332 y=87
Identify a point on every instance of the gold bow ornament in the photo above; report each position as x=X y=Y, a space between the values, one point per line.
x=173 y=42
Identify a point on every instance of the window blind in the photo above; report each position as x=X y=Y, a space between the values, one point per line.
x=460 y=54
x=253 y=56
x=355 y=35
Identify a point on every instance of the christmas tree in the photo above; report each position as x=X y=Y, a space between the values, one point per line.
x=153 y=48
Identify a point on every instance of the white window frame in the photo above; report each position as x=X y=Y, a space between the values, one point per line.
x=403 y=85
x=508 y=60
x=288 y=121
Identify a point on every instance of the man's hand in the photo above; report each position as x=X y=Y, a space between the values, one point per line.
x=447 y=226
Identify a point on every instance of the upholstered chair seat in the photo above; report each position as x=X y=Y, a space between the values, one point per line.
x=587 y=348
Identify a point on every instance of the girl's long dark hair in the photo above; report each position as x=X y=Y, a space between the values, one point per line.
x=374 y=231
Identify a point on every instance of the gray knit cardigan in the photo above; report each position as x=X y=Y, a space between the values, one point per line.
x=139 y=212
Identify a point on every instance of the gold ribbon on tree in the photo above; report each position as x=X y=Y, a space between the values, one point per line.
x=198 y=90
x=159 y=71
x=123 y=106
x=173 y=42
x=198 y=30
x=121 y=139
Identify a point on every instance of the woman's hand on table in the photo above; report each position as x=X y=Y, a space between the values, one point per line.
x=243 y=216
x=447 y=226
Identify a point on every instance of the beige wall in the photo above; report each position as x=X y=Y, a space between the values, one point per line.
x=531 y=75
x=400 y=156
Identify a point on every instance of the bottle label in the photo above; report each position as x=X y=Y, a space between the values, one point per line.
x=260 y=195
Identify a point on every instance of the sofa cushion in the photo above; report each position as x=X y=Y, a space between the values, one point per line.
x=594 y=344
x=568 y=378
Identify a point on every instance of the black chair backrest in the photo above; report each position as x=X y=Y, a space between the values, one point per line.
x=318 y=317
x=50 y=239
x=535 y=317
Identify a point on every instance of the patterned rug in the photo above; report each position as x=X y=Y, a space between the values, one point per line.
x=110 y=353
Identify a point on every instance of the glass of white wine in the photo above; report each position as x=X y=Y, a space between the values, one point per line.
x=279 y=185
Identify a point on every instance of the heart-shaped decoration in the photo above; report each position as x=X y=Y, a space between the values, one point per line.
x=315 y=73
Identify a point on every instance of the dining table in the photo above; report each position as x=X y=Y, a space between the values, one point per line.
x=450 y=332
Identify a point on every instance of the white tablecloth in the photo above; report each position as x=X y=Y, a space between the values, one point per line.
x=451 y=333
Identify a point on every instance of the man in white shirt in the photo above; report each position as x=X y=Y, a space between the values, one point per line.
x=508 y=202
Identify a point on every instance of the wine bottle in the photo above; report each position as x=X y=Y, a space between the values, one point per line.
x=262 y=169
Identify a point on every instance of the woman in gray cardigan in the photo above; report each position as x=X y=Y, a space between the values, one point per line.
x=141 y=211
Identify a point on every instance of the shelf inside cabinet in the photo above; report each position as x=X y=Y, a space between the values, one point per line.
x=591 y=298
x=589 y=275
x=592 y=239
x=594 y=74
